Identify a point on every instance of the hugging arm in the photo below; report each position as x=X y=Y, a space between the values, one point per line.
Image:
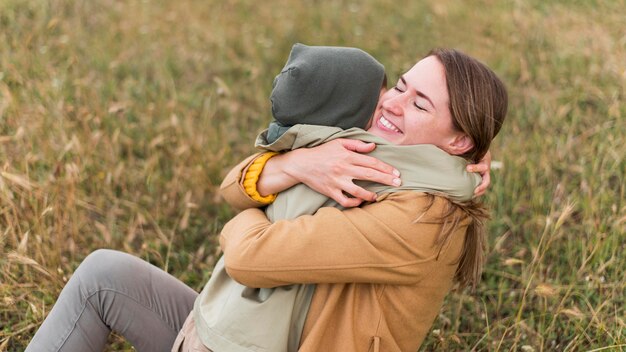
x=376 y=243
x=330 y=170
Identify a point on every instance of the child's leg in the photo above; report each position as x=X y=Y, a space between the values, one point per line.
x=116 y=291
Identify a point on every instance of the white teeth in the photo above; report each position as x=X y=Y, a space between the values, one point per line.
x=388 y=124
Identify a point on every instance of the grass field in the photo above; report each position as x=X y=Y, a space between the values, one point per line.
x=118 y=119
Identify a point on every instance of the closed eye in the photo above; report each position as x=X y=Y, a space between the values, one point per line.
x=419 y=107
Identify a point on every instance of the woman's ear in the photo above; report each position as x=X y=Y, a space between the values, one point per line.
x=461 y=143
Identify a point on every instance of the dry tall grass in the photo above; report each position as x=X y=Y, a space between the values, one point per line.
x=119 y=118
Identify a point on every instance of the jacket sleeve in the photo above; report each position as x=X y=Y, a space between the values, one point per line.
x=377 y=243
x=232 y=189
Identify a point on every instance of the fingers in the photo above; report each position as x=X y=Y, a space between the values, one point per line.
x=483 y=167
x=347 y=202
x=480 y=168
x=357 y=158
x=482 y=188
x=359 y=192
x=364 y=167
x=374 y=164
x=357 y=146
x=332 y=167
x=373 y=175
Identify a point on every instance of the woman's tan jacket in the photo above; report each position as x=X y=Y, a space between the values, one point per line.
x=380 y=277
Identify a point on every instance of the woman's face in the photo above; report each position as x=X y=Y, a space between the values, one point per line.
x=416 y=111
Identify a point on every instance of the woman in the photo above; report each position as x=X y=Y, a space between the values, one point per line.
x=384 y=278
x=355 y=81
x=388 y=263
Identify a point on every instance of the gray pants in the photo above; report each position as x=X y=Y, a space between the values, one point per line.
x=115 y=291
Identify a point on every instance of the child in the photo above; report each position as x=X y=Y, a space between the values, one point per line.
x=327 y=86
x=319 y=89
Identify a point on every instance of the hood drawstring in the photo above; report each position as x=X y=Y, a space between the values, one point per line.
x=376 y=343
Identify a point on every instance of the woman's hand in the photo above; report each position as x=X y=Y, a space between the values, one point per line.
x=483 y=167
x=329 y=169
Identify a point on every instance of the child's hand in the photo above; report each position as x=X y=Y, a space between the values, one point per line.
x=483 y=167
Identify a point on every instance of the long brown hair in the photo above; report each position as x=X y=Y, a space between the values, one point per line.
x=478 y=99
x=470 y=263
x=478 y=105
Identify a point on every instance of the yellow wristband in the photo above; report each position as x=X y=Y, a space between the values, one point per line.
x=252 y=177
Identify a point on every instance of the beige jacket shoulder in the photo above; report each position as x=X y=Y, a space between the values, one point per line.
x=381 y=279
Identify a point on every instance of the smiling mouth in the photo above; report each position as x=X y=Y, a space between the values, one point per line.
x=388 y=125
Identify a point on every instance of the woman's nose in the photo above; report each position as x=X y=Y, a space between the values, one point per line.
x=394 y=105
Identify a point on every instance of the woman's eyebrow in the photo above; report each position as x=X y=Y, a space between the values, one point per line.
x=420 y=94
